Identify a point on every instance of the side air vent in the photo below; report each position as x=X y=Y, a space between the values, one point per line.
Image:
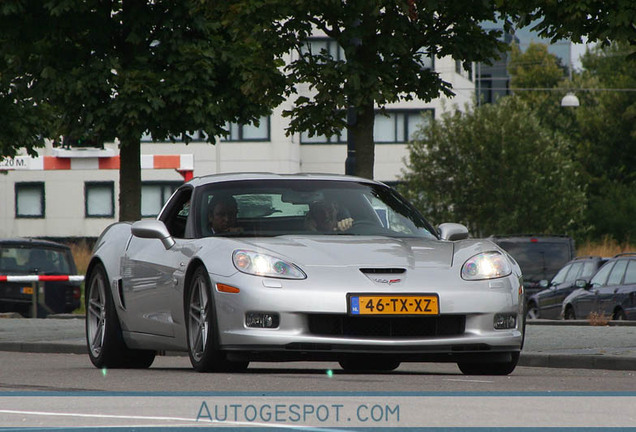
x=392 y=270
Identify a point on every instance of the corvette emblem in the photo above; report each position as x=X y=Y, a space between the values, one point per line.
x=386 y=281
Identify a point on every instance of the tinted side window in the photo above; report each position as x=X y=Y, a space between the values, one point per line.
x=574 y=271
x=175 y=216
x=616 y=276
x=588 y=269
x=560 y=276
x=600 y=277
x=630 y=274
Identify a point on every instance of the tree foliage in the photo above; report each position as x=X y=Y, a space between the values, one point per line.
x=117 y=69
x=606 y=122
x=383 y=43
x=598 y=20
x=497 y=170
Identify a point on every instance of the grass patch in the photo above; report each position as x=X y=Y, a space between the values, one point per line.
x=598 y=319
x=82 y=255
x=606 y=247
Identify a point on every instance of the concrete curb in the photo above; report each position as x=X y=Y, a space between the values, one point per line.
x=44 y=347
x=569 y=361
x=547 y=322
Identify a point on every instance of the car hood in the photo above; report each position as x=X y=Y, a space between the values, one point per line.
x=345 y=251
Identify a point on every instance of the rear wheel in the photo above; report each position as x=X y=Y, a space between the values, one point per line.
x=569 y=313
x=619 y=315
x=106 y=346
x=201 y=327
x=366 y=363
x=490 y=368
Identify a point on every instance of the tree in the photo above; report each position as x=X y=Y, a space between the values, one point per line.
x=607 y=144
x=497 y=170
x=116 y=69
x=598 y=20
x=384 y=43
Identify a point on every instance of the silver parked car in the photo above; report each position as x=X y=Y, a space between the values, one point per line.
x=267 y=267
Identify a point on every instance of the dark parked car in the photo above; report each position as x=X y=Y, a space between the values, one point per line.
x=28 y=257
x=611 y=292
x=539 y=256
x=547 y=303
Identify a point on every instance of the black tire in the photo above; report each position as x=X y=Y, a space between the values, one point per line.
x=202 y=329
x=569 y=313
x=362 y=363
x=532 y=312
x=619 y=315
x=106 y=346
x=490 y=368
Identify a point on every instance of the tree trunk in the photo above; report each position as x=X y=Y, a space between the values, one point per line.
x=362 y=132
x=130 y=180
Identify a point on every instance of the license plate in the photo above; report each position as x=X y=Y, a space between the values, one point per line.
x=403 y=304
x=27 y=290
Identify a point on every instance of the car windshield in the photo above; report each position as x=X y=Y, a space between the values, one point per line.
x=30 y=260
x=309 y=207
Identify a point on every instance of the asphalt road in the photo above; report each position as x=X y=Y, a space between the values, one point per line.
x=65 y=390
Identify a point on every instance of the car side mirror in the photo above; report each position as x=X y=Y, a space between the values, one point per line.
x=581 y=283
x=153 y=229
x=543 y=283
x=452 y=231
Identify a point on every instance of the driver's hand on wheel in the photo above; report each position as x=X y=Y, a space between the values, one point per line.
x=344 y=224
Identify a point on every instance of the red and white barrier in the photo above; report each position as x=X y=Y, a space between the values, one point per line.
x=41 y=278
x=182 y=163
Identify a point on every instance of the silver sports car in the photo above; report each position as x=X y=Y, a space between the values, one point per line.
x=265 y=267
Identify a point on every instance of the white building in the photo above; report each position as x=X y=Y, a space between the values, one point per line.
x=82 y=201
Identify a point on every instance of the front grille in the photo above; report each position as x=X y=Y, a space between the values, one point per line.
x=400 y=327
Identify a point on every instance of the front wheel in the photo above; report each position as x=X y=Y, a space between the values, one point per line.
x=490 y=368
x=201 y=328
x=106 y=346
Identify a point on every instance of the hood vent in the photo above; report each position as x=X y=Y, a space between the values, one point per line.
x=372 y=271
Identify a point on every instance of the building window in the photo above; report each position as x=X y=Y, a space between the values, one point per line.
x=341 y=138
x=248 y=132
x=425 y=59
x=399 y=126
x=99 y=199
x=392 y=126
x=324 y=47
x=29 y=200
x=465 y=72
x=235 y=132
x=154 y=195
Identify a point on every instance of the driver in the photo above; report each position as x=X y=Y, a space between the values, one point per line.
x=222 y=211
x=322 y=216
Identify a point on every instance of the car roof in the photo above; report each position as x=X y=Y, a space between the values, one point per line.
x=30 y=242
x=214 y=178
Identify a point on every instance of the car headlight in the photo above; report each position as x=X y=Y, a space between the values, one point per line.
x=259 y=264
x=487 y=265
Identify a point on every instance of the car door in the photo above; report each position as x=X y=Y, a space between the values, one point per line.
x=587 y=300
x=627 y=292
x=554 y=297
x=150 y=273
x=608 y=294
x=545 y=297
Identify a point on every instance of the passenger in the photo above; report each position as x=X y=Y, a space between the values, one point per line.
x=222 y=211
x=323 y=216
